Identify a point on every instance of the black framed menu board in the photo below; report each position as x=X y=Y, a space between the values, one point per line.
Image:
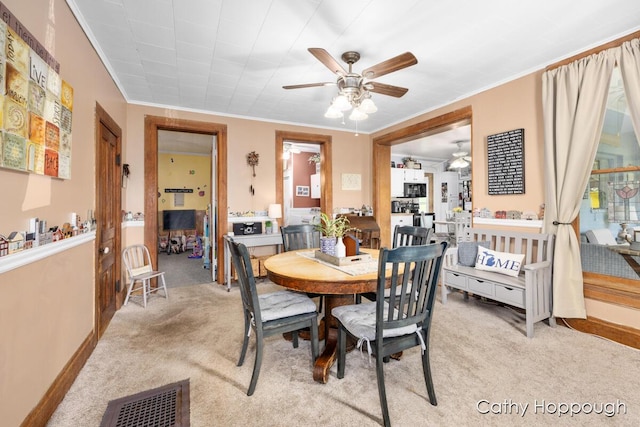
x=505 y=161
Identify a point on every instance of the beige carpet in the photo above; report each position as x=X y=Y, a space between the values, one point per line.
x=479 y=354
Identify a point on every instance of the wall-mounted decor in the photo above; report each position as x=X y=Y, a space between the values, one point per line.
x=505 y=157
x=36 y=122
x=253 y=159
x=351 y=181
x=302 y=190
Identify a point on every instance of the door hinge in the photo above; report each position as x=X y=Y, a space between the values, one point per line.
x=117 y=159
x=117 y=286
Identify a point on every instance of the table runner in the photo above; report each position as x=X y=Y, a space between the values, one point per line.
x=363 y=267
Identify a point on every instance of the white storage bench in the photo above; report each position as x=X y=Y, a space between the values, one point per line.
x=530 y=290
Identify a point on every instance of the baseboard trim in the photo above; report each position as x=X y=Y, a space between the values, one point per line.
x=40 y=415
x=618 y=333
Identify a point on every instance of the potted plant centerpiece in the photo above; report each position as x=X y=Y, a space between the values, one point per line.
x=332 y=231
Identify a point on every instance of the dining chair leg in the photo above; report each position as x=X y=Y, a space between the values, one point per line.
x=314 y=339
x=342 y=350
x=428 y=379
x=245 y=341
x=126 y=300
x=164 y=286
x=381 y=390
x=145 y=290
x=294 y=336
x=256 y=366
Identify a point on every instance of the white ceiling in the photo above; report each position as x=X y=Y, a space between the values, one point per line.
x=232 y=57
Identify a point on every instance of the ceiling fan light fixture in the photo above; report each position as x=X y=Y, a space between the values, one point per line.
x=341 y=103
x=358 y=115
x=459 y=163
x=333 y=113
x=367 y=106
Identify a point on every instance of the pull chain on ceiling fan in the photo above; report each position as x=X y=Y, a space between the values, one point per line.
x=353 y=91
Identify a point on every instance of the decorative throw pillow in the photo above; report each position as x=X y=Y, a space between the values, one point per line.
x=467 y=252
x=499 y=262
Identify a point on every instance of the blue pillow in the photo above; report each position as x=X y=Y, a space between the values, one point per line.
x=468 y=251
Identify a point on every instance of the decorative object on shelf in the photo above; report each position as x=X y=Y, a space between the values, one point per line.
x=275 y=212
x=623 y=234
x=485 y=213
x=501 y=215
x=253 y=159
x=512 y=214
x=409 y=162
x=529 y=215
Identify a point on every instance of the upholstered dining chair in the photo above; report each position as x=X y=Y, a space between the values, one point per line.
x=401 y=322
x=404 y=235
x=302 y=236
x=137 y=262
x=271 y=313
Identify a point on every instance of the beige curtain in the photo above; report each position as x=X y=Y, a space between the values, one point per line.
x=574 y=100
x=630 y=69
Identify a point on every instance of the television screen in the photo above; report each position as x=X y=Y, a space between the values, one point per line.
x=179 y=219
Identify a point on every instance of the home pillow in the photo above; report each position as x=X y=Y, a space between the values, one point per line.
x=499 y=262
x=467 y=252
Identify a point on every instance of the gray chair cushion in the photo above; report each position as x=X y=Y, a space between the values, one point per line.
x=360 y=321
x=468 y=251
x=276 y=305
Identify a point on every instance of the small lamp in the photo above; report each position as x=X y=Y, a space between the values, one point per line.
x=275 y=212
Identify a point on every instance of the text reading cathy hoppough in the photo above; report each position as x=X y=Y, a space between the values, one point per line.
x=545 y=407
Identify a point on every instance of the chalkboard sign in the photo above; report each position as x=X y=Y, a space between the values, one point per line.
x=505 y=156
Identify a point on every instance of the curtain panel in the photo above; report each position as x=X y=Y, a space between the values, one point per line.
x=574 y=101
x=630 y=69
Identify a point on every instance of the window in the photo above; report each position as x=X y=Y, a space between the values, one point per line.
x=613 y=196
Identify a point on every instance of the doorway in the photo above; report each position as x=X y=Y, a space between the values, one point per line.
x=326 y=181
x=153 y=124
x=186 y=171
x=382 y=159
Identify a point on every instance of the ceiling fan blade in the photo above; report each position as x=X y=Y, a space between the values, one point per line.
x=328 y=60
x=385 y=89
x=309 y=85
x=390 y=65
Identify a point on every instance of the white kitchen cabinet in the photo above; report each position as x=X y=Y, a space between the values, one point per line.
x=397 y=182
x=315 y=186
x=400 y=219
x=414 y=175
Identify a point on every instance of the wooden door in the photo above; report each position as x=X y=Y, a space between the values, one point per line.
x=108 y=212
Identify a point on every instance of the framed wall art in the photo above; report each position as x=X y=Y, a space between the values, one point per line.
x=37 y=108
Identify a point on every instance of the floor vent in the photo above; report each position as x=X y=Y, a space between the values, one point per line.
x=166 y=406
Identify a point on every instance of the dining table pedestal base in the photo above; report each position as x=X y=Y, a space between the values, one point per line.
x=325 y=361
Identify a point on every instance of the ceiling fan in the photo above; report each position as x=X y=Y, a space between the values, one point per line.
x=353 y=88
x=461 y=158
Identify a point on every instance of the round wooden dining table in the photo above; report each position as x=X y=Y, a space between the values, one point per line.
x=300 y=273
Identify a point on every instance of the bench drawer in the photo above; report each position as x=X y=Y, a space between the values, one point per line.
x=513 y=296
x=454 y=279
x=480 y=287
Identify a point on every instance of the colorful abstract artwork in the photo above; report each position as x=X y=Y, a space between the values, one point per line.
x=36 y=107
